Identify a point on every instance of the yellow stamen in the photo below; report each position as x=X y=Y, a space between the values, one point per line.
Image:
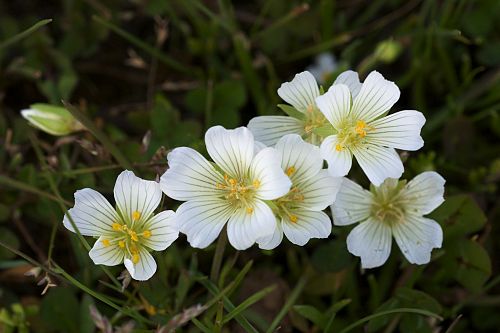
x=121 y=244
x=135 y=257
x=290 y=171
x=360 y=128
x=106 y=242
x=232 y=181
x=220 y=186
x=293 y=218
x=249 y=210
x=146 y=233
x=256 y=184
x=133 y=235
x=136 y=215
x=116 y=226
x=310 y=108
x=338 y=147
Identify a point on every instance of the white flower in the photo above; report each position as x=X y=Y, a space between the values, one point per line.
x=234 y=189
x=301 y=94
x=392 y=209
x=128 y=233
x=362 y=132
x=324 y=65
x=299 y=212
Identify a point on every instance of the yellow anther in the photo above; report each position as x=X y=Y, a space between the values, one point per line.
x=310 y=108
x=360 y=128
x=136 y=215
x=133 y=235
x=121 y=244
x=290 y=171
x=135 y=257
x=308 y=128
x=338 y=147
x=116 y=226
x=293 y=218
x=232 y=181
x=256 y=184
x=220 y=186
x=106 y=242
x=249 y=210
x=146 y=234
x=226 y=177
x=150 y=309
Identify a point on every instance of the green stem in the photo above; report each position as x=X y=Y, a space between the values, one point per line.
x=103 y=138
x=218 y=256
x=28 y=188
x=289 y=303
x=25 y=33
x=384 y=313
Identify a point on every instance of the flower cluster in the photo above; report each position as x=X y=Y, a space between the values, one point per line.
x=268 y=181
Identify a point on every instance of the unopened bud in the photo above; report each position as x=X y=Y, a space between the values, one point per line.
x=52 y=119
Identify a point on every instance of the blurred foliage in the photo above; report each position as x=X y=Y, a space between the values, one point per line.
x=150 y=75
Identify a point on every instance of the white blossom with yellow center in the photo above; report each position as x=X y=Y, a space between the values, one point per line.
x=232 y=190
x=362 y=131
x=128 y=233
x=395 y=208
x=301 y=94
x=299 y=213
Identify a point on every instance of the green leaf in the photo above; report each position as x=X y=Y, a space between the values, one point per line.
x=311 y=313
x=322 y=257
x=60 y=310
x=291 y=111
x=460 y=215
x=471 y=264
x=9 y=238
x=248 y=302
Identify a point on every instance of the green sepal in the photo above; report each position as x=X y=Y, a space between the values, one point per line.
x=292 y=112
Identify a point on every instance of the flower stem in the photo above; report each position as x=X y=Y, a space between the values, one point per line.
x=218 y=256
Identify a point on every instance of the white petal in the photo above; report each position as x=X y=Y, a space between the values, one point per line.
x=244 y=229
x=303 y=157
x=269 y=129
x=319 y=191
x=339 y=162
x=231 y=150
x=370 y=240
x=92 y=214
x=378 y=163
x=133 y=194
x=258 y=146
x=164 y=230
x=416 y=237
x=301 y=92
x=424 y=193
x=350 y=79
x=144 y=269
x=272 y=241
x=308 y=225
x=377 y=95
x=352 y=204
x=110 y=255
x=266 y=170
x=190 y=176
x=335 y=104
x=202 y=221
x=400 y=130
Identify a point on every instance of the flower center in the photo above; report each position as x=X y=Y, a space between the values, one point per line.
x=128 y=237
x=314 y=119
x=239 y=193
x=388 y=205
x=287 y=203
x=352 y=134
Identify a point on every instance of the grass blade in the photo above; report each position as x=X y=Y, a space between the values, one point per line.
x=248 y=302
x=384 y=313
x=25 y=33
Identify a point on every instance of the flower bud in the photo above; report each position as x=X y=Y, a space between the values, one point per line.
x=52 y=119
x=387 y=51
